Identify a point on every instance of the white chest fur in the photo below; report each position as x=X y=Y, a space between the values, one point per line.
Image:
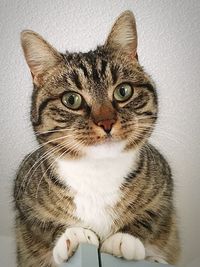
x=95 y=181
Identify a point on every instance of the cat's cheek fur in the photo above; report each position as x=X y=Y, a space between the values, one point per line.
x=124 y=245
x=68 y=242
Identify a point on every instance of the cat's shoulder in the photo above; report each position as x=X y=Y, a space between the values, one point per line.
x=26 y=165
x=157 y=159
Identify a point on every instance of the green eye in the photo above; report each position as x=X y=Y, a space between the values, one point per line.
x=123 y=92
x=72 y=100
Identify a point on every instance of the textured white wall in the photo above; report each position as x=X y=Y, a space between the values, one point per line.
x=169 y=48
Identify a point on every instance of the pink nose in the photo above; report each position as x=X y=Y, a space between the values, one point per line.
x=106 y=125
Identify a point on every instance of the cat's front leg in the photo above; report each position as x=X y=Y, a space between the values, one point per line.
x=68 y=242
x=124 y=245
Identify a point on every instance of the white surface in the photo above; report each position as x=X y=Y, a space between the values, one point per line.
x=169 y=48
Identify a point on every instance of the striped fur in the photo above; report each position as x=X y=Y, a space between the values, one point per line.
x=45 y=203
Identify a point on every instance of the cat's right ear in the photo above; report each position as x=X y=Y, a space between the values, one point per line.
x=123 y=35
x=40 y=55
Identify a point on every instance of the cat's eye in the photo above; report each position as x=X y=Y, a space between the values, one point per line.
x=123 y=92
x=72 y=100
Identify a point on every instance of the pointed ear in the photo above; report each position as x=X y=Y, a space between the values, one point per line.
x=123 y=35
x=40 y=55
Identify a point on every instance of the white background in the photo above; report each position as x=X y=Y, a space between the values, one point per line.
x=169 y=48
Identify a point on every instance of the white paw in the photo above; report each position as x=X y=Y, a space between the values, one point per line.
x=156 y=259
x=69 y=241
x=124 y=245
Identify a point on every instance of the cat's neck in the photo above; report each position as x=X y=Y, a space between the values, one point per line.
x=103 y=169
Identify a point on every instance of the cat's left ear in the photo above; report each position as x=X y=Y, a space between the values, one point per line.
x=123 y=36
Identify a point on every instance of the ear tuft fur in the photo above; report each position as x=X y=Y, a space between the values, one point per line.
x=123 y=35
x=39 y=54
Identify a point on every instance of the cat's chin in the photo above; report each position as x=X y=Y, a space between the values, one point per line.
x=107 y=149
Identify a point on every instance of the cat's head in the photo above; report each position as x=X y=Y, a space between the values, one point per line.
x=85 y=99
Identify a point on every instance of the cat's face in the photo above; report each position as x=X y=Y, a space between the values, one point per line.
x=86 y=99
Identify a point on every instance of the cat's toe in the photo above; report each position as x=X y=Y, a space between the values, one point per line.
x=69 y=241
x=61 y=250
x=84 y=235
x=124 y=245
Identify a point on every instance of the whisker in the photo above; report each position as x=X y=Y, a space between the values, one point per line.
x=52 y=131
x=56 y=149
x=26 y=175
x=40 y=160
x=36 y=195
x=41 y=146
x=74 y=146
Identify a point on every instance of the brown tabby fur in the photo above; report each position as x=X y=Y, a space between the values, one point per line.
x=44 y=205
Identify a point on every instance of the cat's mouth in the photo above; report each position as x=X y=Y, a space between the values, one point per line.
x=108 y=139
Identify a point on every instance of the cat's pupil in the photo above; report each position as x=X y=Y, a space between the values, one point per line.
x=71 y=100
x=122 y=91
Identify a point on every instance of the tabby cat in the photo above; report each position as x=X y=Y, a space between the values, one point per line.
x=94 y=178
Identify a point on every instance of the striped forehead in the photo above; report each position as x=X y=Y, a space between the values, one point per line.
x=90 y=69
